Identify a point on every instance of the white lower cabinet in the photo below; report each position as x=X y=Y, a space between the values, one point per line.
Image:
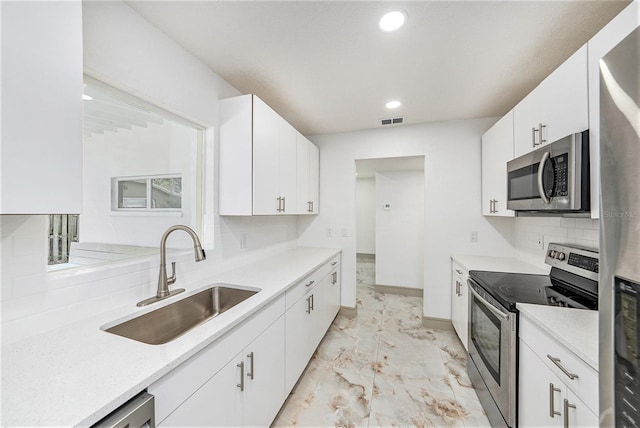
x=248 y=391
x=307 y=319
x=217 y=403
x=547 y=396
x=460 y=302
x=243 y=378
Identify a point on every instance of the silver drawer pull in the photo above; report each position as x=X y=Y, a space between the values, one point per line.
x=556 y=361
x=334 y=263
x=309 y=284
x=459 y=271
x=552 y=410
x=566 y=412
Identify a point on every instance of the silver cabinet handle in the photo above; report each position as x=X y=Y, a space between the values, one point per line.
x=552 y=410
x=567 y=405
x=542 y=140
x=250 y=357
x=545 y=158
x=311 y=206
x=459 y=271
x=241 y=384
x=533 y=137
x=457 y=288
x=334 y=278
x=312 y=302
x=334 y=263
x=308 y=305
x=279 y=199
x=284 y=204
x=556 y=361
x=309 y=284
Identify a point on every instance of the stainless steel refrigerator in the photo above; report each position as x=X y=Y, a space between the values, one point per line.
x=619 y=294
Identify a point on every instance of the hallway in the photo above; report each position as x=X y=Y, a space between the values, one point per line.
x=383 y=368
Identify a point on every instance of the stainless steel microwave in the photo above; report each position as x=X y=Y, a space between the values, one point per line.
x=553 y=178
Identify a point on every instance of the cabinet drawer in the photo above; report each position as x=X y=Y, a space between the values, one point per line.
x=296 y=292
x=585 y=385
x=178 y=385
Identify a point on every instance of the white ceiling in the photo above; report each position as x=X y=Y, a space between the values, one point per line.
x=326 y=67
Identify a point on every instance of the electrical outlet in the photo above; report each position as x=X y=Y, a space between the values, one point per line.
x=243 y=241
x=540 y=242
x=344 y=232
x=329 y=232
x=473 y=236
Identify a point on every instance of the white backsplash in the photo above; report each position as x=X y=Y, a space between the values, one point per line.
x=578 y=231
x=35 y=301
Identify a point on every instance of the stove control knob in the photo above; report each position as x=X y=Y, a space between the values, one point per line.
x=560 y=256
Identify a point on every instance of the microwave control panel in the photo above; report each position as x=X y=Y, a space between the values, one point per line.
x=561 y=171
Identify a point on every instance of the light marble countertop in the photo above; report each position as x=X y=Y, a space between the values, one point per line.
x=497 y=264
x=76 y=375
x=576 y=329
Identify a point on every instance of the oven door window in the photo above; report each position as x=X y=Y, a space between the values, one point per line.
x=486 y=336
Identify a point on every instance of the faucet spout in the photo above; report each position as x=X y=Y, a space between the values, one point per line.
x=163 y=280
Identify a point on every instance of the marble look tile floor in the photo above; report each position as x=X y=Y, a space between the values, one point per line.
x=384 y=369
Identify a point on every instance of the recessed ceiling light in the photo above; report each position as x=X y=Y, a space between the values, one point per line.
x=393 y=20
x=87 y=97
x=392 y=104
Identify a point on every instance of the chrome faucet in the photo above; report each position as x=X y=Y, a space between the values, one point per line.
x=163 y=281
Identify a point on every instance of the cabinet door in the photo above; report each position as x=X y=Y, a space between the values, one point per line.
x=314 y=178
x=217 y=403
x=264 y=376
x=266 y=159
x=536 y=402
x=41 y=163
x=335 y=292
x=303 y=148
x=298 y=339
x=287 y=171
x=612 y=34
x=559 y=103
x=460 y=303
x=578 y=413
x=497 y=150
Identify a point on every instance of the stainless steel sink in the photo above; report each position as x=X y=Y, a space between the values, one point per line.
x=172 y=321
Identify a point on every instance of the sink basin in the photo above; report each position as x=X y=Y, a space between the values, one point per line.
x=172 y=321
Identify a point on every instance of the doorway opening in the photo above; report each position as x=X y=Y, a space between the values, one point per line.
x=389 y=228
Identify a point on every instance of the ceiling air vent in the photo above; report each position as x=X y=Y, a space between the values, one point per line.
x=392 y=121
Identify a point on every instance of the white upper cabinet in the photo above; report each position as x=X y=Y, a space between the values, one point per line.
x=274 y=162
x=497 y=150
x=607 y=38
x=41 y=162
x=259 y=161
x=554 y=109
x=308 y=176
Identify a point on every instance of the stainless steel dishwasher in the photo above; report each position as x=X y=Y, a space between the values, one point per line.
x=135 y=413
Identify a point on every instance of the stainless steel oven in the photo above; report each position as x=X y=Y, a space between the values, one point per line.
x=493 y=342
x=493 y=320
x=554 y=178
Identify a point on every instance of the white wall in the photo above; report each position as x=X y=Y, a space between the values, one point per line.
x=400 y=229
x=577 y=231
x=167 y=148
x=452 y=195
x=366 y=215
x=123 y=49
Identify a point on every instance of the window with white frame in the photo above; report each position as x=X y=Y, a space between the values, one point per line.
x=147 y=193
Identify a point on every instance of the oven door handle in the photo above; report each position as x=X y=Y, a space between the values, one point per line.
x=489 y=306
x=543 y=161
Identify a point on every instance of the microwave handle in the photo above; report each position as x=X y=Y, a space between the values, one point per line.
x=543 y=161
